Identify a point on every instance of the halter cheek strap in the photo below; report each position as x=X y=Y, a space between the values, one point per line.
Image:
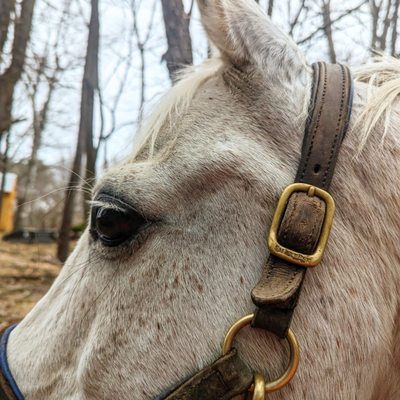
x=9 y=389
x=303 y=222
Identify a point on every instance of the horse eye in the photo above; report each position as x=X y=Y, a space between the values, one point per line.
x=113 y=227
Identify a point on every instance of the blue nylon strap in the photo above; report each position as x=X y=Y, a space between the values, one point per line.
x=5 y=369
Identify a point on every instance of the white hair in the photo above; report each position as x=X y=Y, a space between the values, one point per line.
x=383 y=80
x=175 y=101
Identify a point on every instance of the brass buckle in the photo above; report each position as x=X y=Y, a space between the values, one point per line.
x=305 y=260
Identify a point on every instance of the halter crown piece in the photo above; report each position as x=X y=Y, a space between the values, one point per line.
x=297 y=240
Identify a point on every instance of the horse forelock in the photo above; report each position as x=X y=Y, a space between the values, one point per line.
x=175 y=101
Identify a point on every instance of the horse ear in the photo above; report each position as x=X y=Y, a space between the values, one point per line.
x=244 y=34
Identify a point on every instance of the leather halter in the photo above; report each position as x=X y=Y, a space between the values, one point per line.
x=300 y=225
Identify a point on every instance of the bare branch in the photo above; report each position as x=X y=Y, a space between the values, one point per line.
x=270 y=7
x=297 y=16
x=326 y=12
x=339 y=18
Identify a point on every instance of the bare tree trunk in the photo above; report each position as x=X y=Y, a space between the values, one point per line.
x=11 y=76
x=393 y=44
x=384 y=15
x=6 y=7
x=90 y=85
x=4 y=170
x=374 y=8
x=176 y=21
x=85 y=134
x=270 y=7
x=74 y=180
x=326 y=12
x=386 y=25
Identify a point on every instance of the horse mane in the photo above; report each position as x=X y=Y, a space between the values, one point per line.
x=176 y=101
x=382 y=78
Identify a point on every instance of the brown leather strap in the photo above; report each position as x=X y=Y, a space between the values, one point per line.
x=229 y=376
x=329 y=116
x=278 y=290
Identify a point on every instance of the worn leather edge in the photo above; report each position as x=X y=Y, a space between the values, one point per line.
x=327 y=125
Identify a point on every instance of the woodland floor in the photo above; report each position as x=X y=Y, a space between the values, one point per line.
x=26 y=273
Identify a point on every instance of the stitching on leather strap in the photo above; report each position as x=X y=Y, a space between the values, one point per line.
x=338 y=125
x=318 y=120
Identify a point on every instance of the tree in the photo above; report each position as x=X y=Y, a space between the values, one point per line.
x=4 y=168
x=176 y=21
x=85 y=133
x=10 y=77
x=90 y=86
x=270 y=7
x=42 y=73
x=384 y=16
x=39 y=121
x=326 y=13
x=6 y=8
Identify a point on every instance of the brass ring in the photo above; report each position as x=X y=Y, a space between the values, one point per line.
x=294 y=353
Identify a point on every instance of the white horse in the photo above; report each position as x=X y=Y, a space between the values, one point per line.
x=129 y=320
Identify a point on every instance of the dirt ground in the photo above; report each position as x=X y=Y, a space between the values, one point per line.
x=26 y=273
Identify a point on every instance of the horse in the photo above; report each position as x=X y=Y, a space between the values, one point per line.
x=146 y=297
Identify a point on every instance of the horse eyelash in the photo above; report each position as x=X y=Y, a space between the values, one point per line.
x=104 y=204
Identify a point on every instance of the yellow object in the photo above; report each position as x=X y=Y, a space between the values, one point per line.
x=8 y=203
x=294 y=354
x=259 y=384
x=305 y=260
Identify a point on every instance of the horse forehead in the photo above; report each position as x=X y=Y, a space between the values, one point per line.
x=228 y=98
x=222 y=127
